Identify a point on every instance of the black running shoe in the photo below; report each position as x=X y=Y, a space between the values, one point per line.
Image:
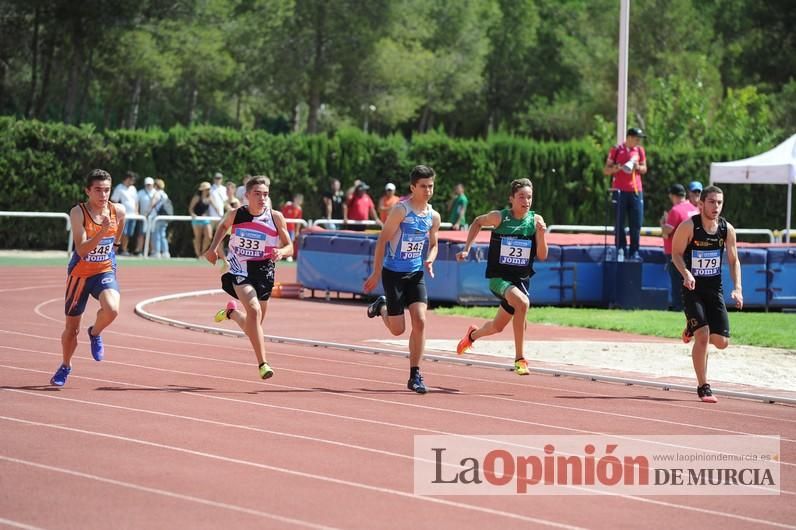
x=706 y=394
x=415 y=384
x=374 y=309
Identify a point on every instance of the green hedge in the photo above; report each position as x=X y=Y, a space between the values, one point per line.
x=43 y=165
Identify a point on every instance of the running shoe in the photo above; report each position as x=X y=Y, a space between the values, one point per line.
x=97 y=350
x=687 y=335
x=706 y=394
x=374 y=309
x=59 y=379
x=223 y=314
x=415 y=384
x=266 y=371
x=466 y=343
x=521 y=367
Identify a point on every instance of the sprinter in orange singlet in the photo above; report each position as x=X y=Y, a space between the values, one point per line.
x=97 y=227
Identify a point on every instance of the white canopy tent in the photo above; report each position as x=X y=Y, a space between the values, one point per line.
x=777 y=166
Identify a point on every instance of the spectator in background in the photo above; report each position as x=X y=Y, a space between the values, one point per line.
x=240 y=193
x=125 y=194
x=387 y=201
x=333 y=201
x=163 y=206
x=232 y=189
x=218 y=198
x=292 y=210
x=359 y=207
x=199 y=207
x=694 y=192
x=627 y=162
x=681 y=211
x=146 y=204
x=457 y=208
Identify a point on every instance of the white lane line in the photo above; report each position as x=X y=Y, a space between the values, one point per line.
x=155 y=491
x=292 y=472
x=407 y=427
x=17 y=524
x=428 y=372
x=402 y=404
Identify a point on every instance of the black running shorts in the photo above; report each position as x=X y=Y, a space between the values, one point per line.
x=403 y=289
x=263 y=284
x=706 y=308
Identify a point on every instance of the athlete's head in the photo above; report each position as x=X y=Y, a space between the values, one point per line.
x=711 y=202
x=98 y=186
x=421 y=180
x=521 y=195
x=257 y=190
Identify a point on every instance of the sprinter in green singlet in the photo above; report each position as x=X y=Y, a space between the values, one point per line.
x=518 y=239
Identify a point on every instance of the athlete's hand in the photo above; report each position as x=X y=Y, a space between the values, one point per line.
x=370 y=283
x=211 y=256
x=737 y=295
x=430 y=268
x=688 y=281
x=462 y=256
x=541 y=226
x=106 y=224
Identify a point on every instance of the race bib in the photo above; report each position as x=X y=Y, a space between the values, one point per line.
x=705 y=262
x=412 y=245
x=515 y=252
x=248 y=244
x=103 y=250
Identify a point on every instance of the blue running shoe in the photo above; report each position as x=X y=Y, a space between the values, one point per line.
x=97 y=350
x=59 y=379
x=415 y=383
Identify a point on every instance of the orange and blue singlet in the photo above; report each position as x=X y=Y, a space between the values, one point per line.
x=97 y=271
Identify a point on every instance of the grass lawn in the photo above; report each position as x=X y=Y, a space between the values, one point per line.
x=751 y=328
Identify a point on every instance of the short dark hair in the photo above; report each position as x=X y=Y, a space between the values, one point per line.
x=520 y=183
x=95 y=175
x=259 y=179
x=707 y=190
x=421 y=172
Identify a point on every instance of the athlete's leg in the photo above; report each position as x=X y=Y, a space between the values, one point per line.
x=699 y=354
x=417 y=337
x=108 y=311
x=496 y=325
x=252 y=323
x=69 y=338
x=520 y=303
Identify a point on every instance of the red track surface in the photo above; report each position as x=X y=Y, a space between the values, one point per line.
x=174 y=429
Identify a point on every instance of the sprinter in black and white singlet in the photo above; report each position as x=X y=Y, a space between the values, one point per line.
x=697 y=252
x=258 y=239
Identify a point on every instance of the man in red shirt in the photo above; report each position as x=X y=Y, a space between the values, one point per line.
x=359 y=207
x=627 y=163
x=681 y=210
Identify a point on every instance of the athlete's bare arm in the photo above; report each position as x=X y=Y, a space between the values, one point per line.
x=541 y=241
x=286 y=249
x=391 y=226
x=84 y=245
x=433 y=248
x=488 y=219
x=682 y=237
x=221 y=231
x=735 y=267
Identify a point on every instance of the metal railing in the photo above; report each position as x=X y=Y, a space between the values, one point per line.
x=651 y=230
x=343 y=223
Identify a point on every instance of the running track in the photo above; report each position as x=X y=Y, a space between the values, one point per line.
x=174 y=429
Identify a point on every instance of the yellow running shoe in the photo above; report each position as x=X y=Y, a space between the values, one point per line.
x=466 y=343
x=223 y=314
x=521 y=367
x=266 y=371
